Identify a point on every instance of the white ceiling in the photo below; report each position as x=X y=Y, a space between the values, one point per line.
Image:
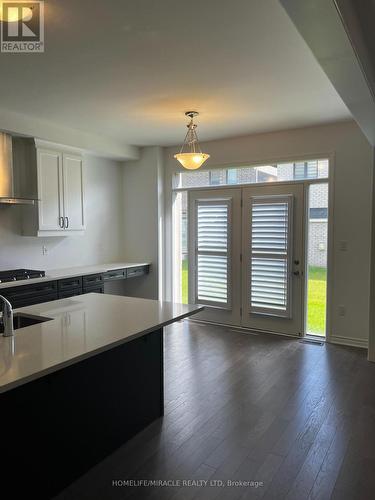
x=128 y=69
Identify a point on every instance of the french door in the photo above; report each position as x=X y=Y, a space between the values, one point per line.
x=214 y=244
x=247 y=256
x=272 y=262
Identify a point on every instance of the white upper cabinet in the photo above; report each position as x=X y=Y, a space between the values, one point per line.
x=60 y=209
x=50 y=182
x=74 y=217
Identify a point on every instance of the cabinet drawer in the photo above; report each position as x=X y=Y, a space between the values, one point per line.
x=70 y=283
x=117 y=274
x=30 y=301
x=94 y=289
x=136 y=271
x=92 y=280
x=27 y=291
x=65 y=294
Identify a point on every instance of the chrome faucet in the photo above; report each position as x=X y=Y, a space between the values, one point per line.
x=7 y=317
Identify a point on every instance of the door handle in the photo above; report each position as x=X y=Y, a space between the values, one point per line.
x=61 y=222
x=296 y=273
x=67 y=222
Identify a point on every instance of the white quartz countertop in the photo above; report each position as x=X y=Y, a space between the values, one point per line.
x=58 y=274
x=81 y=327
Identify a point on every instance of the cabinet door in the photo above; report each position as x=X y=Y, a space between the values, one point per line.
x=73 y=192
x=50 y=190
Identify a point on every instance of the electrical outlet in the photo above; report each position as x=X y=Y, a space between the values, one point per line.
x=342 y=310
x=44 y=250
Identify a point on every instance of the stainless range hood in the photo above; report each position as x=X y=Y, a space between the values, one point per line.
x=8 y=193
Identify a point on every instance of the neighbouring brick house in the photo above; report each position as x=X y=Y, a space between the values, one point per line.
x=318 y=225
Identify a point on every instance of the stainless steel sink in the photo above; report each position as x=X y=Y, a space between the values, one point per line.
x=23 y=320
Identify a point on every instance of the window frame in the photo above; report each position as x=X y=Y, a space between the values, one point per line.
x=171 y=191
x=226 y=168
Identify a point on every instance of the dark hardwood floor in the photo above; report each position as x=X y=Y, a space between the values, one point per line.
x=298 y=418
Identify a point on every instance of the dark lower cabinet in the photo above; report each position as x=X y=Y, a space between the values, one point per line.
x=70 y=284
x=27 y=295
x=118 y=274
x=93 y=283
x=133 y=272
x=46 y=291
x=33 y=300
x=94 y=289
x=59 y=426
x=92 y=280
x=70 y=293
x=70 y=287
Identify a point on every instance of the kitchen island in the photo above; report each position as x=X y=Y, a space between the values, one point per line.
x=76 y=386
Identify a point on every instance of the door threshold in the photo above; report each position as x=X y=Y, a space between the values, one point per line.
x=244 y=329
x=312 y=341
x=318 y=338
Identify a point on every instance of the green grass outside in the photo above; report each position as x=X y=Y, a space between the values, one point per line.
x=316 y=293
x=184 y=283
x=316 y=296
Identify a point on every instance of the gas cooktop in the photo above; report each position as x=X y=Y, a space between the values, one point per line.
x=20 y=274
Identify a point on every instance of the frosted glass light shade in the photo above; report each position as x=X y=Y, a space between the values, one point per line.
x=191 y=161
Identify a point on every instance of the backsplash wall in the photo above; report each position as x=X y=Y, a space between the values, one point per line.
x=102 y=241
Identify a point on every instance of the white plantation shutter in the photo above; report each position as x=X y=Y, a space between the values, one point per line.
x=212 y=220
x=270 y=255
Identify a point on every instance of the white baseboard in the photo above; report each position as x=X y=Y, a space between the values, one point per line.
x=333 y=339
x=350 y=341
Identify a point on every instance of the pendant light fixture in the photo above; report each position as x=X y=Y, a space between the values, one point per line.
x=191 y=156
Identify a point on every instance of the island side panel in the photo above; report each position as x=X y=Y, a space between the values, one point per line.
x=59 y=426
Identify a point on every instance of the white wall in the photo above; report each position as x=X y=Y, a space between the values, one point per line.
x=102 y=241
x=351 y=204
x=143 y=210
